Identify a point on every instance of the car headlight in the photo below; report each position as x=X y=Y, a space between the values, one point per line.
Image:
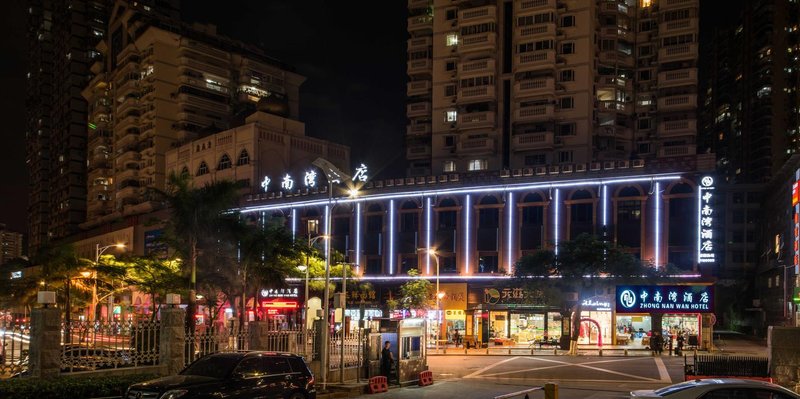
x=174 y=394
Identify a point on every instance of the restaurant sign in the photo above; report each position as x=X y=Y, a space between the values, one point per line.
x=665 y=298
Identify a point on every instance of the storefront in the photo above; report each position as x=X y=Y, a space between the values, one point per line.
x=364 y=308
x=511 y=315
x=281 y=307
x=452 y=316
x=680 y=308
x=596 y=321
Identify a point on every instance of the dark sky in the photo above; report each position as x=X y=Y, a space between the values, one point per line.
x=352 y=54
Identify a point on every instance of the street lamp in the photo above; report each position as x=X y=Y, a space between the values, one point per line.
x=439 y=294
x=98 y=250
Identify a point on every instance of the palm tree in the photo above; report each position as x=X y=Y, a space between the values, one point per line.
x=195 y=214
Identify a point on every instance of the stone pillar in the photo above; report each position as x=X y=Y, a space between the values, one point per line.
x=172 y=343
x=783 y=344
x=45 y=343
x=258 y=335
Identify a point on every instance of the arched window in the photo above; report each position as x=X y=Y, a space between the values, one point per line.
x=682 y=208
x=203 y=169
x=244 y=158
x=532 y=219
x=184 y=172
x=629 y=217
x=224 y=162
x=581 y=217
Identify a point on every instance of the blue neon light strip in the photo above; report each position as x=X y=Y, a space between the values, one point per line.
x=556 y=212
x=294 y=223
x=657 y=237
x=605 y=205
x=509 y=240
x=391 y=237
x=466 y=234
x=428 y=234
x=327 y=229
x=358 y=237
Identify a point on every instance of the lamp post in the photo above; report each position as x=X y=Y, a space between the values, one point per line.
x=439 y=294
x=98 y=250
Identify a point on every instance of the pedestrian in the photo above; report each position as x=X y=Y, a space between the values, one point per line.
x=456 y=338
x=657 y=342
x=679 y=351
x=387 y=360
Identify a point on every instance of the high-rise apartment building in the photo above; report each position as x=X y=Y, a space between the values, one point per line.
x=11 y=243
x=162 y=84
x=751 y=107
x=516 y=84
x=61 y=38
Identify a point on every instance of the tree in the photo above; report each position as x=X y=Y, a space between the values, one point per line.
x=194 y=215
x=414 y=293
x=155 y=277
x=579 y=264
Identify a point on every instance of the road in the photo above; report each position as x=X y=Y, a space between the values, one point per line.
x=577 y=376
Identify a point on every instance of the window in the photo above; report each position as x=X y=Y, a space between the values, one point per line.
x=535 y=46
x=449 y=141
x=477 y=81
x=568 y=48
x=252 y=367
x=535 y=160
x=451 y=14
x=566 y=103
x=450 y=116
x=278 y=365
x=244 y=158
x=608 y=45
x=568 y=21
x=567 y=75
x=566 y=129
x=564 y=156
x=449 y=166
x=449 y=90
x=645 y=74
x=535 y=19
x=224 y=162
x=477 y=164
x=203 y=169
x=450 y=66
x=678 y=39
x=645 y=51
x=184 y=172
x=643 y=148
x=644 y=123
x=452 y=39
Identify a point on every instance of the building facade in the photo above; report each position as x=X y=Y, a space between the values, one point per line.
x=11 y=244
x=161 y=84
x=514 y=84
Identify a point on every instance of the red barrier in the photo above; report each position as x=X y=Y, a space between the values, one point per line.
x=378 y=384
x=425 y=378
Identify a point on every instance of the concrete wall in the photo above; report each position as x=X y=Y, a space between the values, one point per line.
x=783 y=344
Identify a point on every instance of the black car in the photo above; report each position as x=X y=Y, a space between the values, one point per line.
x=234 y=375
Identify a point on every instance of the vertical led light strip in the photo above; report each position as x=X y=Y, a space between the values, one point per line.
x=294 y=223
x=428 y=232
x=556 y=211
x=657 y=193
x=358 y=237
x=699 y=217
x=466 y=234
x=509 y=239
x=391 y=237
x=327 y=228
x=605 y=205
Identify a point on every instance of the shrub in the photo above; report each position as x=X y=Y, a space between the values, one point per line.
x=71 y=387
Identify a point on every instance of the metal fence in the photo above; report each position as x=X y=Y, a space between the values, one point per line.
x=102 y=345
x=14 y=343
x=206 y=340
x=351 y=351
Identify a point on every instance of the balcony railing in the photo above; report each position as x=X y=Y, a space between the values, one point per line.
x=535 y=60
x=476 y=119
x=533 y=141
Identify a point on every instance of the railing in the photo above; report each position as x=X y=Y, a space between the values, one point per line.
x=353 y=354
x=108 y=345
x=14 y=343
x=206 y=340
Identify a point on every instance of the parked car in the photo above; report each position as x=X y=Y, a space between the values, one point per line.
x=238 y=375
x=719 y=388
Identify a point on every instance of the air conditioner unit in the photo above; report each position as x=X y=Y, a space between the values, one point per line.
x=594 y=166
x=431 y=179
x=442 y=178
x=517 y=172
x=527 y=172
x=453 y=177
x=581 y=167
x=554 y=170
x=638 y=163
x=271 y=195
x=541 y=170
x=566 y=169
x=368 y=185
x=279 y=194
x=608 y=165
x=505 y=173
x=421 y=180
x=409 y=181
x=623 y=165
x=389 y=183
x=379 y=184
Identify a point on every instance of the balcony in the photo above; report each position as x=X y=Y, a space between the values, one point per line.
x=533 y=5
x=677 y=151
x=532 y=141
x=128 y=122
x=418 y=87
x=418 y=3
x=420 y=66
x=478 y=42
x=679 y=52
x=679 y=77
x=418 y=152
x=471 y=68
x=534 y=87
x=535 y=60
x=526 y=32
x=420 y=43
x=677 y=128
x=476 y=146
x=128 y=154
x=476 y=93
x=616 y=33
x=677 y=103
x=535 y=113
x=420 y=23
x=613 y=57
x=418 y=109
x=478 y=14
x=680 y=26
x=476 y=119
x=421 y=129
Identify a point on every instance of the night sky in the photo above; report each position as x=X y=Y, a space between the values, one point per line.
x=352 y=54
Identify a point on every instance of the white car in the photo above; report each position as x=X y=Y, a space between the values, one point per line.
x=718 y=388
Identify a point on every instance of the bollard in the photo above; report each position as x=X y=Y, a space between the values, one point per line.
x=550 y=391
x=600 y=352
x=626 y=352
x=509 y=350
x=555 y=352
x=465 y=350
x=531 y=350
x=487 y=349
x=445 y=349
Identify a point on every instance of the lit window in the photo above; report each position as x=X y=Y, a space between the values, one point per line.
x=203 y=169
x=449 y=166
x=646 y=3
x=764 y=91
x=451 y=116
x=452 y=39
x=224 y=162
x=244 y=158
x=478 y=164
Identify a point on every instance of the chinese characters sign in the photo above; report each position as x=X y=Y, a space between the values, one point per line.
x=796 y=221
x=310 y=179
x=665 y=298
x=280 y=293
x=705 y=218
x=511 y=295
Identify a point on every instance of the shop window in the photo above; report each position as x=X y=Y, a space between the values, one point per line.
x=412 y=348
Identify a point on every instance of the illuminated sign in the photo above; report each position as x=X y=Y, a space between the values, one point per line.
x=796 y=222
x=287 y=182
x=361 y=173
x=705 y=221
x=280 y=293
x=310 y=179
x=600 y=305
x=665 y=298
x=279 y=304
x=17 y=274
x=265 y=183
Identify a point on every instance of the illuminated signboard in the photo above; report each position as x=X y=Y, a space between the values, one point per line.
x=705 y=221
x=280 y=293
x=665 y=298
x=310 y=179
x=796 y=222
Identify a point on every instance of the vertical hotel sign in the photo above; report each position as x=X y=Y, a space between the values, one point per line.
x=796 y=220
x=705 y=221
